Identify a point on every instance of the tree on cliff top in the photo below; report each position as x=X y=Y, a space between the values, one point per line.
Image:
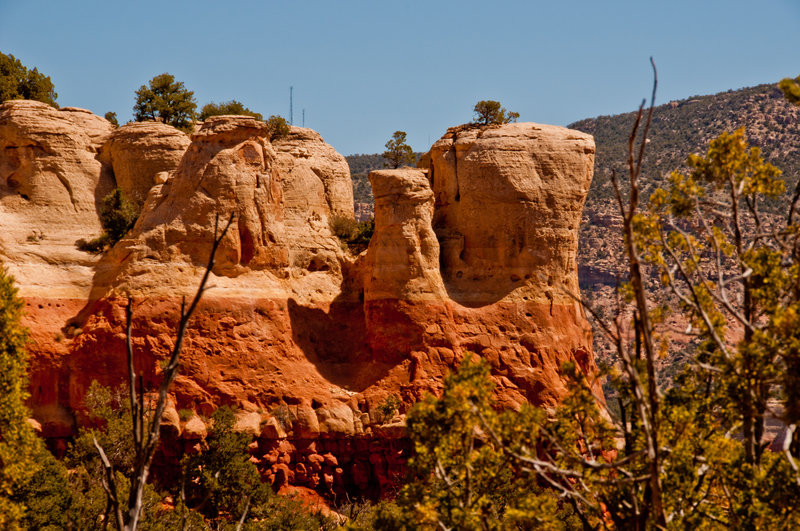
x=278 y=127
x=398 y=152
x=489 y=112
x=227 y=107
x=167 y=100
x=19 y=83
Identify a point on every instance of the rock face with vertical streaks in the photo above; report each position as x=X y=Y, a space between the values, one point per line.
x=473 y=254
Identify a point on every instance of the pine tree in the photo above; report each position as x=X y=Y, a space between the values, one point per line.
x=167 y=100
x=19 y=445
x=17 y=82
x=398 y=152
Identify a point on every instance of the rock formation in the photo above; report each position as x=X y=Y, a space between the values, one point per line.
x=316 y=188
x=138 y=152
x=50 y=185
x=476 y=254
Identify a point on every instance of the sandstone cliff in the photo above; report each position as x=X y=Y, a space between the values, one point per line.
x=474 y=254
x=138 y=152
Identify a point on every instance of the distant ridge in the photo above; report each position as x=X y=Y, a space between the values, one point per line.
x=686 y=126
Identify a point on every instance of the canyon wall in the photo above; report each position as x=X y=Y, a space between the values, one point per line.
x=473 y=254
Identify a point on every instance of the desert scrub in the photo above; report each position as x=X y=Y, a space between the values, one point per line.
x=354 y=236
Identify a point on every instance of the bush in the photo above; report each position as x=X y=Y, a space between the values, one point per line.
x=227 y=107
x=112 y=117
x=388 y=408
x=278 y=127
x=117 y=216
x=489 y=112
x=353 y=235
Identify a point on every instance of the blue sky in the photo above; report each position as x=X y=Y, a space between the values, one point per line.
x=363 y=69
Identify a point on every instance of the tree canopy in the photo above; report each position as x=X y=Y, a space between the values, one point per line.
x=167 y=100
x=19 y=83
x=489 y=112
x=227 y=107
x=791 y=89
x=278 y=127
x=398 y=152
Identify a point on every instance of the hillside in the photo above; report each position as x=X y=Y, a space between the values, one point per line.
x=679 y=128
x=686 y=126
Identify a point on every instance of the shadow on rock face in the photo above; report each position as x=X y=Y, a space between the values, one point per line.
x=335 y=341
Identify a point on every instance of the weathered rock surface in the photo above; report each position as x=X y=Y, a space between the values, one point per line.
x=50 y=185
x=310 y=341
x=316 y=188
x=308 y=149
x=137 y=152
x=508 y=207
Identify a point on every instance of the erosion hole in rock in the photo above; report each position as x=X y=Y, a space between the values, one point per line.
x=246 y=243
x=318 y=264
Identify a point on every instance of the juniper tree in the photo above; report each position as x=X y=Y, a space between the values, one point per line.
x=17 y=82
x=167 y=100
x=398 y=152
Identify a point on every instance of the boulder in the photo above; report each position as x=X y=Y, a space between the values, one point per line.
x=137 y=152
x=248 y=422
x=336 y=420
x=194 y=429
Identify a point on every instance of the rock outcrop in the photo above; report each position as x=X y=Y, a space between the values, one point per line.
x=402 y=283
x=50 y=185
x=316 y=188
x=138 y=152
x=508 y=205
x=475 y=254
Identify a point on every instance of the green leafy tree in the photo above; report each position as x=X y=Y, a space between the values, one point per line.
x=18 y=443
x=167 y=100
x=489 y=112
x=398 y=152
x=463 y=469
x=118 y=215
x=112 y=117
x=19 y=83
x=227 y=107
x=278 y=127
x=222 y=475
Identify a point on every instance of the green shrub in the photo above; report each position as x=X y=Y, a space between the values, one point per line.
x=227 y=107
x=278 y=127
x=388 y=408
x=112 y=117
x=117 y=215
x=354 y=236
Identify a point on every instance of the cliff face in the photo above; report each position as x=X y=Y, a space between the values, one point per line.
x=138 y=152
x=471 y=255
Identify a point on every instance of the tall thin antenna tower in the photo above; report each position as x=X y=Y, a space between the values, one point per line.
x=291 y=105
x=304 y=117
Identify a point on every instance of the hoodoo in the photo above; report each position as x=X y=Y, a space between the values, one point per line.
x=476 y=253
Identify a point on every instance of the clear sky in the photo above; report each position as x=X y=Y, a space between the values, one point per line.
x=363 y=69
